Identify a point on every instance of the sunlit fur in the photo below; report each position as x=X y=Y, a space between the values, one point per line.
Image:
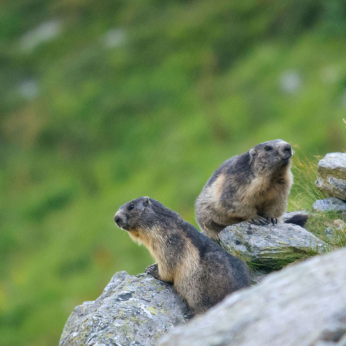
x=201 y=271
x=245 y=187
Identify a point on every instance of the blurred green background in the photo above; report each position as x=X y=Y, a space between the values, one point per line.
x=103 y=101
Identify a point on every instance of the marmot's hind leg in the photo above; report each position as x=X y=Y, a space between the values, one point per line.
x=299 y=220
x=211 y=229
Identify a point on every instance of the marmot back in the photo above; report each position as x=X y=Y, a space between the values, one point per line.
x=201 y=271
x=250 y=187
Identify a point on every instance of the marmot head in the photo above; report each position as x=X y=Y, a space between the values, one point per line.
x=143 y=214
x=130 y=215
x=271 y=156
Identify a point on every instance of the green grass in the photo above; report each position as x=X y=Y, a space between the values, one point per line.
x=305 y=192
x=319 y=222
x=191 y=85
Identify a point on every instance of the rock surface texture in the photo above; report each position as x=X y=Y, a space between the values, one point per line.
x=270 y=246
x=301 y=305
x=332 y=175
x=132 y=310
x=330 y=204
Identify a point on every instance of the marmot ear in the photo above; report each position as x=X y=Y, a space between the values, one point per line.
x=146 y=201
x=252 y=153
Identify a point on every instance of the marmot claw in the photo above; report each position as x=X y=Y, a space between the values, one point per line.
x=259 y=221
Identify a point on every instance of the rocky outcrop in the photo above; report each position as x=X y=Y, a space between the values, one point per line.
x=332 y=175
x=271 y=246
x=304 y=304
x=330 y=204
x=132 y=310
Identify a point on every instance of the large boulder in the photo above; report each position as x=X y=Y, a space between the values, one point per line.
x=132 y=310
x=332 y=175
x=272 y=246
x=304 y=304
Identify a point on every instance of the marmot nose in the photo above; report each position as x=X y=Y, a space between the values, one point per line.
x=287 y=150
x=119 y=221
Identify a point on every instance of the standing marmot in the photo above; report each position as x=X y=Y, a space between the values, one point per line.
x=202 y=273
x=253 y=186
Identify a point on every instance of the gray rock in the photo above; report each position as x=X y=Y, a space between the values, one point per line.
x=29 y=88
x=301 y=305
x=330 y=204
x=342 y=341
x=332 y=175
x=45 y=32
x=329 y=232
x=337 y=232
x=288 y=215
x=115 y=37
x=270 y=246
x=132 y=310
x=290 y=81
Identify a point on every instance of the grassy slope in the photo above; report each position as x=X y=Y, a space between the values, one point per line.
x=192 y=85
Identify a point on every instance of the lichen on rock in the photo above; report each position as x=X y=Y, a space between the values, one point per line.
x=272 y=246
x=132 y=310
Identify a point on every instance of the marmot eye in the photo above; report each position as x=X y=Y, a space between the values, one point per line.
x=268 y=148
x=131 y=206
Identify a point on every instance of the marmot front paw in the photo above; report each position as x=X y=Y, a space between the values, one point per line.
x=153 y=270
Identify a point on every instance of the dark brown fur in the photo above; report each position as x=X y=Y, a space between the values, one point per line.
x=201 y=271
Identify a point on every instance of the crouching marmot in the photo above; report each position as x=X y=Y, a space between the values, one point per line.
x=201 y=271
x=253 y=186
